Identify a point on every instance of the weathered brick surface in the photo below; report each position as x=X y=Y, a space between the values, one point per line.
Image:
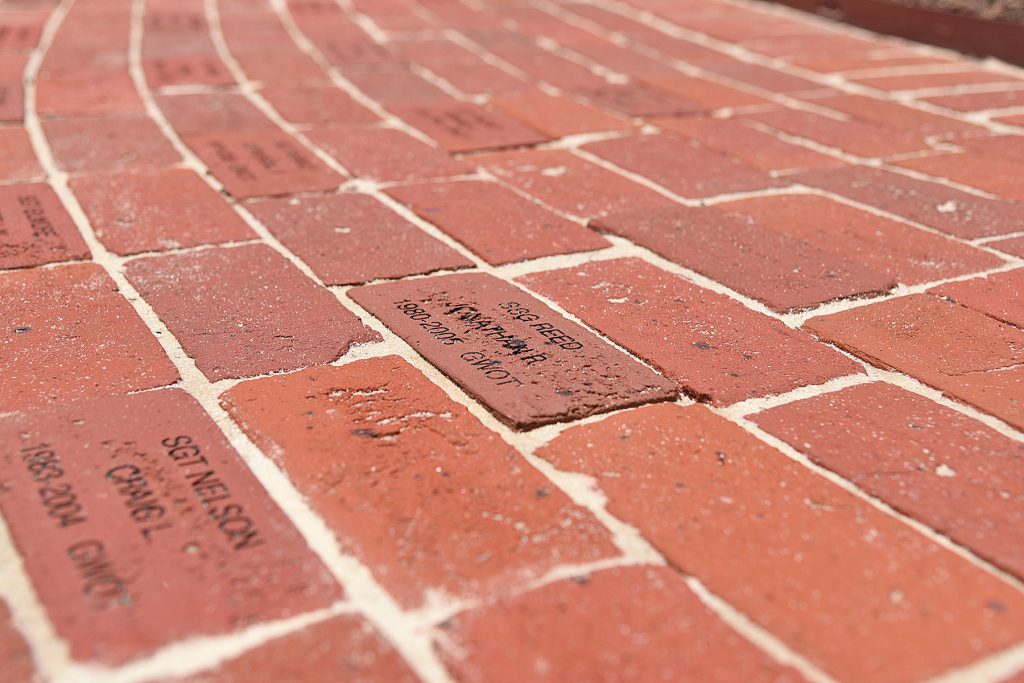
x=461 y=127
x=753 y=526
x=619 y=624
x=522 y=360
x=234 y=312
x=712 y=346
x=557 y=116
x=17 y=159
x=110 y=143
x=887 y=114
x=854 y=137
x=1014 y=246
x=979 y=101
x=14 y=652
x=956 y=475
x=35 y=229
x=397 y=86
x=323 y=105
x=68 y=334
x=936 y=80
x=998 y=295
x=412 y=483
x=479 y=214
x=386 y=154
x=966 y=354
x=144 y=210
x=140 y=525
x=212 y=113
x=352 y=238
x=997 y=176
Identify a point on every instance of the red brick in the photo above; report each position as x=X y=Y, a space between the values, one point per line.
x=683 y=166
x=35 y=229
x=827 y=573
x=495 y=222
x=935 y=80
x=346 y=45
x=633 y=99
x=397 y=86
x=623 y=624
x=412 y=484
x=144 y=211
x=12 y=92
x=212 y=113
x=14 y=652
x=622 y=59
x=817 y=43
x=1006 y=147
x=463 y=69
x=1013 y=246
x=351 y=238
x=234 y=311
x=1017 y=120
x=997 y=176
x=964 y=353
x=998 y=295
x=888 y=114
x=937 y=206
x=109 y=143
x=385 y=154
x=272 y=65
x=463 y=127
x=167 y=533
x=317 y=106
x=855 y=61
x=254 y=163
x=930 y=462
x=760 y=150
x=714 y=348
x=522 y=360
x=557 y=116
x=1014 y=678
x=979 y=101
x=854 y=137
x=109 y=92
x=69 y=335
x=253 y=27
x=570 y=184
x=17 y=158
x=20 y=31
x=768 y=79
x=343 y=646
x=543 y=66
x=701 y=94
x=396 y=15
x=198 y=69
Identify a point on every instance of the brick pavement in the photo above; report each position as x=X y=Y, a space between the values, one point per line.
x=505 y=340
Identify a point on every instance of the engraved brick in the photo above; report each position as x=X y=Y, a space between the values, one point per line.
x=386 y=154
x=952 y=473
x=683 y=166
x=570 y=184
x=700 y=94
x=342 y=648
x=937 y=206
x=197 y=69
x=628 y=620
x=713 y=347
x=352 y=238
x=143 y=211
x=522 y=360
x=495 y=222
x=966 y=354
x=557 y=116
x=463 y=127
x=35 y=229
x=256 y=163
x=633 y=99
x=412 y=484
x=234 y=310
x=139 y=525
x=14 y=652
x=329 y=105
x=999 y=295
x=108 y=143
x=827 y=573
x=67 y=335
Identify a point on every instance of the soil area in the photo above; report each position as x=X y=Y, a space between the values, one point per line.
x=1001 y=10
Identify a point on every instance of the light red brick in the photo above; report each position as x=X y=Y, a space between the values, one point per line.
x=999 y=295
x=108 y=143
x=143 y=211
x=318 y=106
x=412 y=484
x=998 y=176
x=682 y=166
x=464 y=127
x=14 y=652
x=397 y=86
x=12 y=90
x=623 y=624
x=237 y=311
x=888 y=114
x=202 y=114
x=942 y=79
x=193 y=69
x=713 y=347
x=701 y=94
x=495 y=222
x=386 y=154
x=271 y=64
x=557 y=116
x=69 y=335
x=966 y=354
x=35 y=228
x=854 y=590
x=464 y=70
x=855 y=137
x=980 y=101
x=1006 y=147
x=352 y=238
x=634 y=99
x=1014 y=245
x=61 y=93
x=930 y=462
x=139 y=525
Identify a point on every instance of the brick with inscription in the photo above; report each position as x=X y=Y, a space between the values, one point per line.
x=495 y=222
x=683 y=166
x=17 y=158
x=386 y=154
x=35 y=229
x=192 y=69
x=139 y=525
x=999 y=295
x=412 y=483
x=243 y=311
x=343 y=649
x=824 y=571
x=525 y=362
x=627 y=620
x=464 y=127
x=108 y=143
x=353 y=238
x=952 y=473
x=143 y=210
x=700 y=94
x=557 y=116
x=964 y=353
x=14 y=652
x=255 y=163
x=68 y=334
x=715 y=348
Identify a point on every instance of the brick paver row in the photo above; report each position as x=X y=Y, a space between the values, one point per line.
x=655 y=203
